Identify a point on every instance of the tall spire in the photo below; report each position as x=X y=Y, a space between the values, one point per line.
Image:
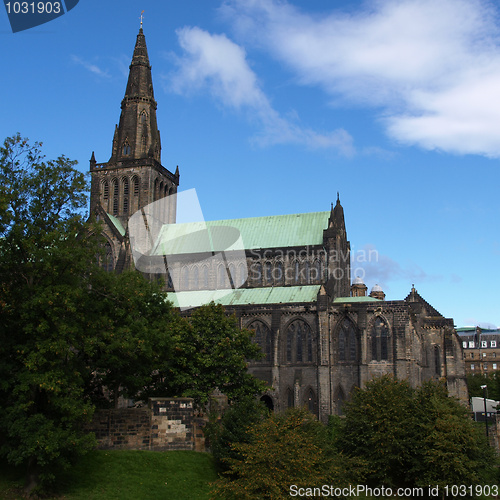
x=336 y=220
x=137 y=134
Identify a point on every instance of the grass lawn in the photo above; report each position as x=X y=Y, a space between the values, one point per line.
x=127 y=475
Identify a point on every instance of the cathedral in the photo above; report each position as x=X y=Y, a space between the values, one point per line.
x=287 y=278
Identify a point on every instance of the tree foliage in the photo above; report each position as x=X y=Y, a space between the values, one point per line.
x=491 y=380
x=211 y=352
x=286 y=449
x=413 y=437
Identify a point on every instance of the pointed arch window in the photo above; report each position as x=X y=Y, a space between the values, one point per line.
x=289 y=398
x=135 y=182
x=205 y=277
x=115 y=188
x=115 y=206
x=347 y=341
x=311 y=401
x=196 y=276
x=380 y=340
x=125 y=206
x=125 y=187
x=268 y=273
x=170 y=283
x=106 y=190
x=308 y=273
x=242 y=274
x=257 y=272
x=299 y=347
x=107 y=262
x=185 y=278
x=296 y=274
x=144 y=116
x=278 y=273
x=222 y=281
x=126 y=148
x=263 y=339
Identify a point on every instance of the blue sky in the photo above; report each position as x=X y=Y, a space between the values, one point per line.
x=271 y=107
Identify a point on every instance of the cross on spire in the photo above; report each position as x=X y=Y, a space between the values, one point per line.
x=142 y=17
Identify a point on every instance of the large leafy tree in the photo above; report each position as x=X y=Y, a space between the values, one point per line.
x=413 y=437
x=68 y=329
x=210 y=352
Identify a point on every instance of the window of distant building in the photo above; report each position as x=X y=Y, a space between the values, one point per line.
x=472 y=366
x=471 y=344
x=493 y=343
x=494 y=366
x=464 y=345
x=471 y=355
x=484 y=343
x=347 y=342
x=485 y=366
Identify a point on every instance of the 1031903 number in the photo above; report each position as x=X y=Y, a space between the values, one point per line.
x=33 y=7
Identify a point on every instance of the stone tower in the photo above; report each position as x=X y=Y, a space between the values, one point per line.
x=133 y=177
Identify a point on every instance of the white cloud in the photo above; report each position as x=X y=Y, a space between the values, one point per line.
x=432 y=68
x=93 y=68
x=214 y=61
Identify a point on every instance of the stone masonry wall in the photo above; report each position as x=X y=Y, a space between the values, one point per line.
x=167 y=424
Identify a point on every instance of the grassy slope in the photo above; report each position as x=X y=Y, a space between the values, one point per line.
x=109 y=475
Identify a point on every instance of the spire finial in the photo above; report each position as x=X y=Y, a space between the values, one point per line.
x=142 y=17
x=338 y=197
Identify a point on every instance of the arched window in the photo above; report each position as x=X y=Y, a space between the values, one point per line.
x=299 y=342
x=437 y=360
x=308 y=273
x=170 y=283
x=242 y=274
x=380 y=340
x=278 y=273
x=311 y=401
x=316 y=271
x=263 y=339
x=125 y=206
x=257 y=272
x=144 y=116
x=347 y=341
x=196 y=278
x=135 y=181
x=126 y=148
x=107 y=259
x=232 y=274
x=205 y=277
x=185 y=278
x=268 y=273
x=105 y=190
x=296 y=274
x=115 y=206
x=155 y=192
x=289 y=398
x=115 y=188
x=125 y=187
x=222 y=281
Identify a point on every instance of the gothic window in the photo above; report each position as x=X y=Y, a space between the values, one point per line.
x=269 y=273
x=242 y=273
x=296 y=274
x=143 y=117
x=155 y=192
x=195 y=278
x=347 y=341
x=278 y=274
x=262 y=338
x=308 y=273
x=299 y=342
x=125 y=187
x=205 y=277
x=126 y=148
x=161 y=190
x=316 y=271
x=222 y=277
x=107 y=258
x=135 y=181
x=165 y=191
x=437 y=360
x=232 y=274
x=170 y=283
x=115 y=206
x=257 y=272
x=106 y=190
x=311 y=401
x=380 y=340
x=115 y=188
x=289 y=398
x=125 y=205
x=323 y=270
x=185 y=278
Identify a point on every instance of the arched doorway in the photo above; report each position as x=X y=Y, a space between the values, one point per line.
x=268 y=402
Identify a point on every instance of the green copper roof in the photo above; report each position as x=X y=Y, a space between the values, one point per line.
x=117 y=224
x=245 y=296
x=351 y=300
x=255 y=232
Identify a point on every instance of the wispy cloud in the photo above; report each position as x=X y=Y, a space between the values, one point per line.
x=430 y=69
x=215 y=62
x=93 y=68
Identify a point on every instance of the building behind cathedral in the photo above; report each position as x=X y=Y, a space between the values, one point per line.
x=290 y=280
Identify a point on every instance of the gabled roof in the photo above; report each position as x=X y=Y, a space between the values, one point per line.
x=246 y=296
x=293 y=230
x=118 y=225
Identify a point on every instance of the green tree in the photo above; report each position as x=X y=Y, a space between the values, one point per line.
x=233 y=428
x=211 y=352
x=476 y=380
x=43 y=266
x=286 y=449
x=413 y=437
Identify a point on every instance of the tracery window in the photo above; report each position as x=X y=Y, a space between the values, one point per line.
x=380 y=340
x=263 y=339
x=106 y=190
x=107 y=258
x=347 y=341
x=299 y=347
x=126 y=148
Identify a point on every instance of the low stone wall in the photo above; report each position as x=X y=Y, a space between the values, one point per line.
x=167 y=424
